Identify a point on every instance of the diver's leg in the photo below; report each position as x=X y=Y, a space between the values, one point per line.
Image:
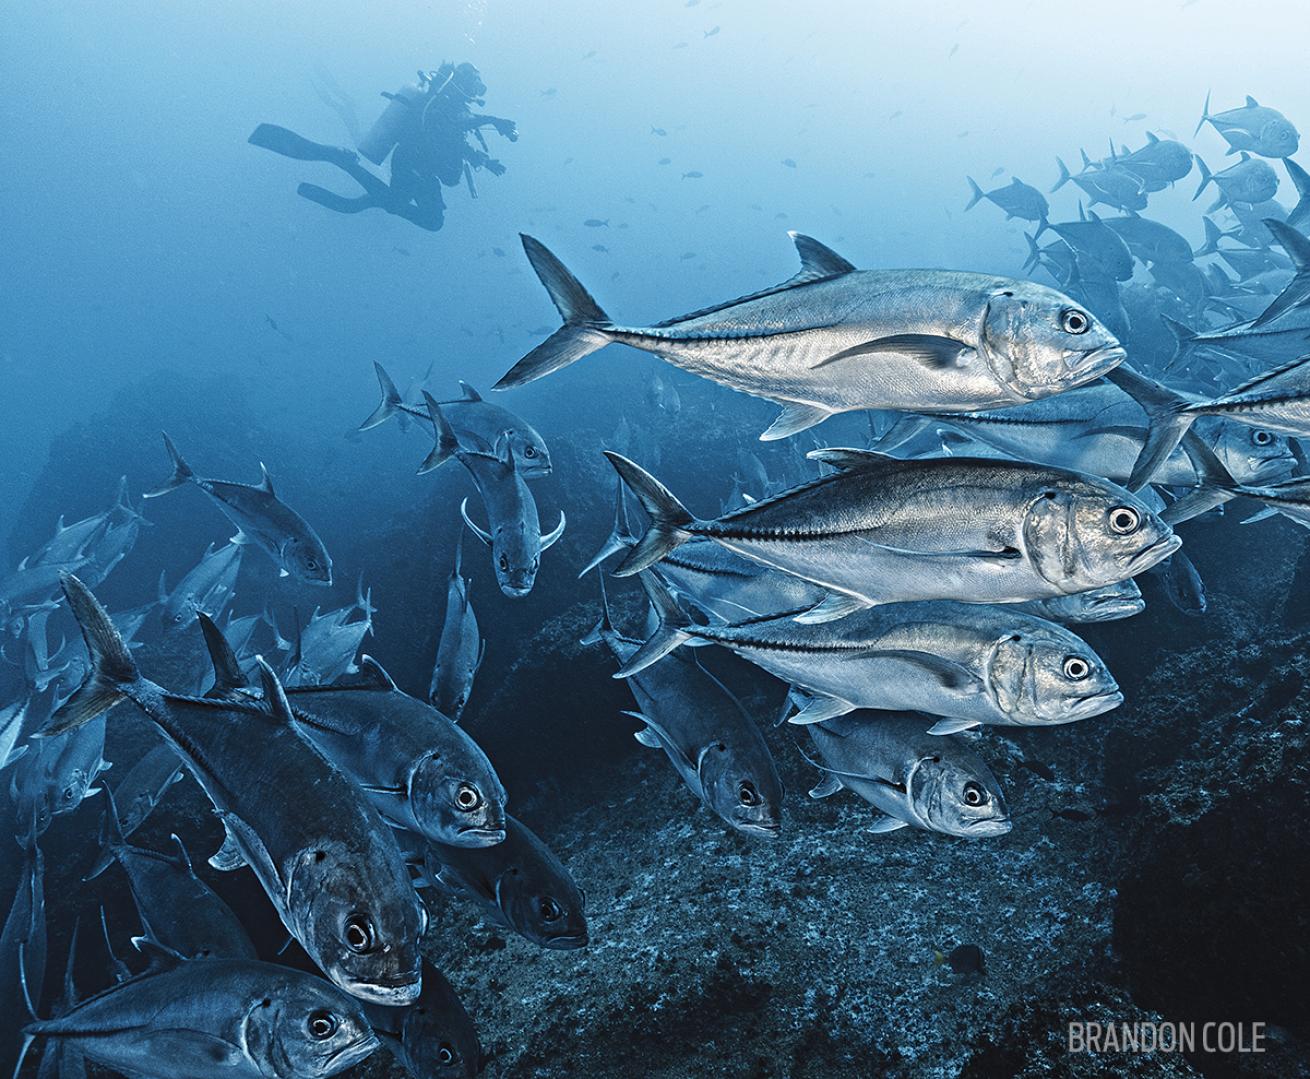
x=287 y=143
x=333 y=201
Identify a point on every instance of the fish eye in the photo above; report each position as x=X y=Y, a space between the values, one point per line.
x=550 y=910
x=1076 y=668
x=359 y=934
x=467 y=798
x=529 y=451
x=1124 y=520
x=322 y=1025
x=1261 y=438
x=504 y=562
x=445 y=1055
x=1074 y=321
x=747 y=794
x=311 y=563
x=974 y=795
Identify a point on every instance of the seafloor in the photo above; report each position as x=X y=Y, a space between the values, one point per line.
x=1156 y=869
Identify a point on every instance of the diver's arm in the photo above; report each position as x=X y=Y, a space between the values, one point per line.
x=506 y=129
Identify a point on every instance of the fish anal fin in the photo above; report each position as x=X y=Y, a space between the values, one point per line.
x=795 y=416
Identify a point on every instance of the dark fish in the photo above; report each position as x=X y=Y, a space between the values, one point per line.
x=967 y=959
x=433 y=1038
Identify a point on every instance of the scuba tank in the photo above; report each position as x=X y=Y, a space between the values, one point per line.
x=401 y=114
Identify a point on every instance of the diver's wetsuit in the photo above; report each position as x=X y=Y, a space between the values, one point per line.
x=409 y=195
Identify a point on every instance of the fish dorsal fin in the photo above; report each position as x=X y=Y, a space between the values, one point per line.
x=1152 y=138
x=846 y=460
x=470 y=394
x=370 y=675
x=818 y=261
x=1245 y=156
x=1260 y=379
x=1251 y=103
x=161 y=958
x=265 y=481
x=228 y=675
x=274 y=695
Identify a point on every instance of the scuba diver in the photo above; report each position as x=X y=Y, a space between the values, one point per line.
x=425 y=129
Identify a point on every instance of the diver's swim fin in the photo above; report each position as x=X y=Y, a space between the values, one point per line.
x=340 y=203
x=289 y=144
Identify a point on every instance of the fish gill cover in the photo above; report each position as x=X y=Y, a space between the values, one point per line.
x=697 y=541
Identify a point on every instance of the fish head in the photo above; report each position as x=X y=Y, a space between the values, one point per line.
x=1081 y=533
x=304 y=1026
x=746 y=794
x=516 y=554
x=437 y=1037
x=956 y=794
x=1253 y=455
x=1278 y=137
x=548 y=909
x=1041 y=674
x=1037 y=341
x=306 y=559
x=457 y=800
x=359 y=920
x=531 y=457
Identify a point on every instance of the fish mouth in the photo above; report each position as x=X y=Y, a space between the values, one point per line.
x=1094 y=704
x=516 y=591
x=1118 y=608
x=348 y=1055
x=1098 y=361
x=476 y=836
x=769 y=829
x=566 y=943
x=394 y=993
x=1147 y=556
x=1273 y=468
x=984 y=827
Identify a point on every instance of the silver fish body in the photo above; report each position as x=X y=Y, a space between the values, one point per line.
x=914 y=778
x=460 y=648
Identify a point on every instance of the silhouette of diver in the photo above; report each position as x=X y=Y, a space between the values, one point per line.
x=425 y=129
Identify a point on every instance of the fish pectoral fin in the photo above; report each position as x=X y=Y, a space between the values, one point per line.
x=1263 y=515
x=948 y=673
x=1124 y=430
x=846 y=459
x=228 y=857
x=826 y=787
x=928 y=350
x=795 y=416
x=240 y=539
x=886 y=824
x=832 y=607
x=646 y=738
x=189 y=1051
x=818 y=708
x=953 y=725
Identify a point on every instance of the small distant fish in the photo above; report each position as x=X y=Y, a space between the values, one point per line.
x=687 y=255
x=1039 y=769
x=712 y=33
x=680 y=45
x=894 y=115
x=954 y=49
x=401 y=250
x=597 y=223
x=601 y=248
x=550 y=92
x=276 y=328
x=658 y=131
x=780 y=216
x=1134 y=118
x=693 y=175
x=664 y=161
x=589 y=55
x=963 y=134
x=499 y=252
x=1079 y=816
x=997 y=171
x=692 y=3
x=966 y=959
x=701 y=209
x=789 y=162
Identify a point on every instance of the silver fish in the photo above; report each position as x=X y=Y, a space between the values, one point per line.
x=207 y=587
x=836 y=339
x=1253 y=127
x=914 y=778
x=433 y=1038
x=323 y=856
x=177 y=909
x=970 y=663
x=460 y=648
x=144 y=786
x=882 y=530
x=23 y=944
x=261 y=518
x=713 y=745
x=1250 y=180
x=519 y=883
x=217 y=1019
x=326 y=646
x=421 y=771
x=513 y=528
x=477 y=424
